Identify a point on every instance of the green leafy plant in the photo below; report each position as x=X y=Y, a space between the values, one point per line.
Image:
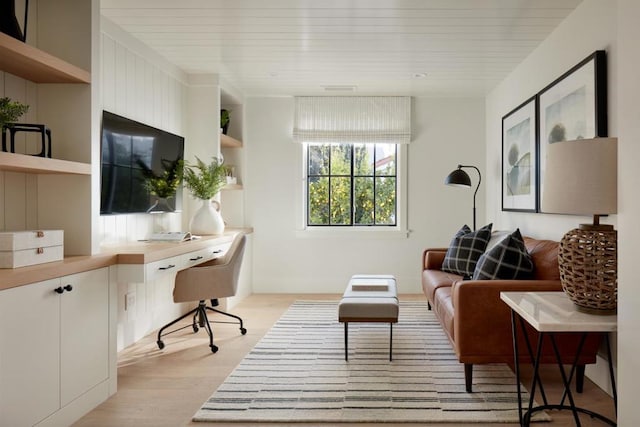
x=10 y=111
x=166 y=184
x=205 y=180
x=225 y=117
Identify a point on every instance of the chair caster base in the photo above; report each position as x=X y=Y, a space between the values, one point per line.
x=195 y=328
x=214 y=348
x=160 y=344
x=243 y=331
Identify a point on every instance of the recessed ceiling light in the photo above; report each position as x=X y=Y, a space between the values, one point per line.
x=419 y=75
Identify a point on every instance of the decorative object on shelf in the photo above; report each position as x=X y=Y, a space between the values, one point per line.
x=573 y=107
x=205 y=181
x=581 y=179
x=225 y=118
x=9 y=22
x=207 y=220
x=519 y=161
x=23 y=248
x=13 y=128
x=231 y=175
x=10 y=111
x=162 y=186
x=460 y=178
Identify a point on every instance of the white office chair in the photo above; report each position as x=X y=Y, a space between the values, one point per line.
x=211 y=280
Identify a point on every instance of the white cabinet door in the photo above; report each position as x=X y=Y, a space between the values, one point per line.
x=84 y=339
x=29 y=353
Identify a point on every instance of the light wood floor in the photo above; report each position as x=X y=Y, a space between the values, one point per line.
x=165 y=388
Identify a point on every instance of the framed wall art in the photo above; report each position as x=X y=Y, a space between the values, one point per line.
x=573 y=107
x=519 y=159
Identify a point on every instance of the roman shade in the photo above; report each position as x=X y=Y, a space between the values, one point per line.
x=352 y=119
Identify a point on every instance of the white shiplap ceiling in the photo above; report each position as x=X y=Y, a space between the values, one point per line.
x=299 y=47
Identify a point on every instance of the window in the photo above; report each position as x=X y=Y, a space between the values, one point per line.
x=352 y=184
x=353 y=165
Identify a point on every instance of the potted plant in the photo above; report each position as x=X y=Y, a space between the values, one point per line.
x=204 y=181
x=10 y=111
x=163 y=186
x=225 y=117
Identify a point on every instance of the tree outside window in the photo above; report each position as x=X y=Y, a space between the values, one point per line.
x=351 y=184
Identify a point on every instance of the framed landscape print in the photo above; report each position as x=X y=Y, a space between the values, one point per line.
x=519 y=158
x=573 y=107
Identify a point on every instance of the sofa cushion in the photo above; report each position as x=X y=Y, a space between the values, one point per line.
x=508 y=259
x=465 y=249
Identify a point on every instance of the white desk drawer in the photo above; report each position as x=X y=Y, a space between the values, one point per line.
x=165 y=267
x=204 y=255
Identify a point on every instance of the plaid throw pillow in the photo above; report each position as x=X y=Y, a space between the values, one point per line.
x=508 y=259
x=465 y=249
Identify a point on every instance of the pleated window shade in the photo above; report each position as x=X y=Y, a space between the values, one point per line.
x=352 y=119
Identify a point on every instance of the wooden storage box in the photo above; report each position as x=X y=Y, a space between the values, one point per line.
x=22 y=248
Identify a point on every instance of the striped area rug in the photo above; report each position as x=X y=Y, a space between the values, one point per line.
x=297 y=373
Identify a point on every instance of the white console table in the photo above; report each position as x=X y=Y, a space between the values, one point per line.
x=550 y=313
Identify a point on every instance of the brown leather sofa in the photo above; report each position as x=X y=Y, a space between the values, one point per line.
x=478 y=323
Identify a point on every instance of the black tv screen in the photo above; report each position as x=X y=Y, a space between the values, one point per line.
x=125 y=145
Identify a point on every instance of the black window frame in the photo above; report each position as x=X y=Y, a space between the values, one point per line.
x=351 y=177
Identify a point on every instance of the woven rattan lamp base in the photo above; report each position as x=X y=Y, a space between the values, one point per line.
x=588 y=262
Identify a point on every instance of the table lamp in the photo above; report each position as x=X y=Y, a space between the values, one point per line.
x=580 y=178
x=461 y=179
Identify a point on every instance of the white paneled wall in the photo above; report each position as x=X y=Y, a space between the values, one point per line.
x=139 y=85
x=18 y=191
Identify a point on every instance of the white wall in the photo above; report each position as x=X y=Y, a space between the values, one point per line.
x=592 y=26
x=628 y=209
x=137 y=83
x=446 y=132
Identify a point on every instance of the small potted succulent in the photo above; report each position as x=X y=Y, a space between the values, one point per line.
x=225 y=118
x=10 y=111
x=204 y=181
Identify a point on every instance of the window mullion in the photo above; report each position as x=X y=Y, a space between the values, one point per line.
x=351 y=188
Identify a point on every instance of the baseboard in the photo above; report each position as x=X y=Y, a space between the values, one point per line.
x=599 y=374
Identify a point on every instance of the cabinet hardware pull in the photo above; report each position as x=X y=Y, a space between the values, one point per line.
x=195 y=259
x=61 y=290
x=217 y=251
x=167 y=267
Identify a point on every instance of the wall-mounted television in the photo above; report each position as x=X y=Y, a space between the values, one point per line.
x=125 y=145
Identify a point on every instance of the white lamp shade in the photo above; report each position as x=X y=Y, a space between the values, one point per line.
x=581 y=177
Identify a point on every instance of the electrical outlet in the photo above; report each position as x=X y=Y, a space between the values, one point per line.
x=130 y=301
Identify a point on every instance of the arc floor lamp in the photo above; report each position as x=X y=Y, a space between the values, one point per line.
x=460 y=178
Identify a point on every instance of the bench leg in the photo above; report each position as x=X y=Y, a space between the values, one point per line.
x=346 y=341
x=390 y=341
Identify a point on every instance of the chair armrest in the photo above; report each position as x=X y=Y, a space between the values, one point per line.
x=482 y=323
x=432 y=258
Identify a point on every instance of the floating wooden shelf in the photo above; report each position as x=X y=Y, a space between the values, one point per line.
x=232 y=187
x=32 y=164
x=38 y=66
x=228 y=142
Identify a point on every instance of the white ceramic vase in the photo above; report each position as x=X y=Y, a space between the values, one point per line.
x=207 y=219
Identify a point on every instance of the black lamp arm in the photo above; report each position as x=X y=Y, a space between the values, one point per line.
x=475 y=192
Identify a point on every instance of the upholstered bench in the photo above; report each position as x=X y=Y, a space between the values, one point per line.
x=369 y=298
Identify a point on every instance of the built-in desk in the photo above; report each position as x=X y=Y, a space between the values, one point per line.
x=134 y=253
x=144 y=275
x=143 y=261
